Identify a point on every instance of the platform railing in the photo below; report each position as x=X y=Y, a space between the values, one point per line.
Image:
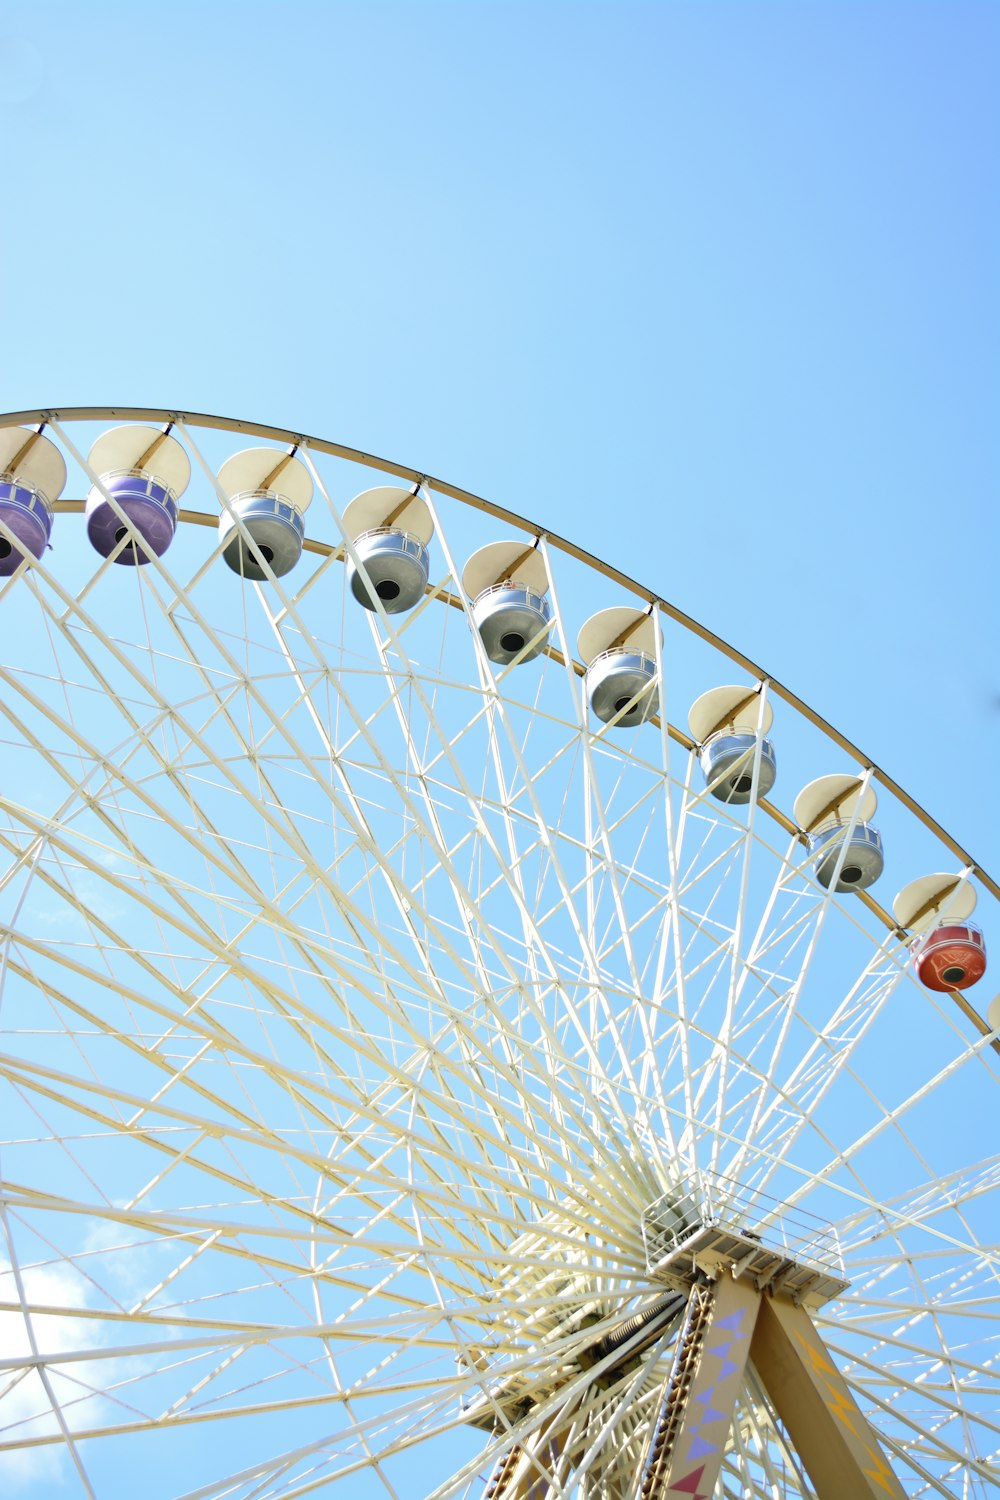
x=717 y=1201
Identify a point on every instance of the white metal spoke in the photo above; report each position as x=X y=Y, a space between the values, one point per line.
x=359 y=995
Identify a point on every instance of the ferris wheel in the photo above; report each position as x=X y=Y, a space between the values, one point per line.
x=467 y=1031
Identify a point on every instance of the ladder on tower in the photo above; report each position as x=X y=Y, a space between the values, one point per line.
x=503 y=1472
x=673 y=1400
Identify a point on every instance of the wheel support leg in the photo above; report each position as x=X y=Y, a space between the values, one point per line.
x=837 y=1446
x=697 y=1411
x=729 y=1322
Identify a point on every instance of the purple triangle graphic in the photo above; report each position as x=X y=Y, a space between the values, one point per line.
x=705 y=1397
x=728 y=1368
x=700 y=1448
x=733 y=1321
x=711 y=1415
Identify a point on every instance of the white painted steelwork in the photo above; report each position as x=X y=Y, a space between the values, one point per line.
x=338 y=959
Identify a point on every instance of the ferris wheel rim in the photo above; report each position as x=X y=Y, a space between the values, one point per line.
x=89 y=414
x=559 y=542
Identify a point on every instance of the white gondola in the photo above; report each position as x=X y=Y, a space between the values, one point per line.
x=261 y=528
x=390 y=528
x=507 y=584
x=847 y=851
x=728 y=724
x=618 y=646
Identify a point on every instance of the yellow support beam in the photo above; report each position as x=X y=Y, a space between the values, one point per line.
x=834 y=1440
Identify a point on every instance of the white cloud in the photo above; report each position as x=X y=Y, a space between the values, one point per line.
x=25 y=1410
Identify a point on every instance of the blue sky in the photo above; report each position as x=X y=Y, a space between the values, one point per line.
x=711 y=288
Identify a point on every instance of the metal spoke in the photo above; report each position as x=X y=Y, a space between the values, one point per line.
x=362 y=997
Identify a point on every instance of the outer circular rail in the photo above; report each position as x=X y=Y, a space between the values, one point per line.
x=416 y=1024
x=47 y=415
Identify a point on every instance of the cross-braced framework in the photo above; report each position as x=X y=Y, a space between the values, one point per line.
x=381 y=1031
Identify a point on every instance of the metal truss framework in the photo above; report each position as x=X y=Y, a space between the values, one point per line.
x=727 y=1324
x=360 y=1001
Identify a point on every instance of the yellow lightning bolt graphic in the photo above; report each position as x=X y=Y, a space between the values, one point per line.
x=880 y=1473
x=842 y=1407
x=815 y=1356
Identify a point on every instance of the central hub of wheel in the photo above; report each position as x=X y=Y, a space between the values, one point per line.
x=564 y=1305
x=567 y=1301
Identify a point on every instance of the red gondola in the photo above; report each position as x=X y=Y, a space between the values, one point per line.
x=952 y=957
